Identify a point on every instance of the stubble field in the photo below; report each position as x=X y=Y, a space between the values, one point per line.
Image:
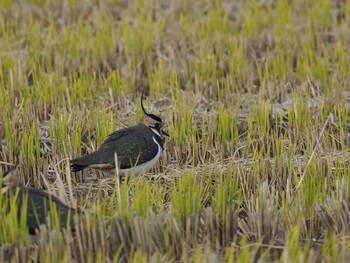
x=255 y=96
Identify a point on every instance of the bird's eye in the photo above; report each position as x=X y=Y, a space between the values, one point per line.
x=157 y=125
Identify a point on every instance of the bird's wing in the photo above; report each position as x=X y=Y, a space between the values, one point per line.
x=40 y=205
x=117 y=135
x=131 y=151
x=131 y=146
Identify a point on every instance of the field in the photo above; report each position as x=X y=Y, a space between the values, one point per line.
x=255 y=96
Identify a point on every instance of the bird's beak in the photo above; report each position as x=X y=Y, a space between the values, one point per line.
x=165 y=133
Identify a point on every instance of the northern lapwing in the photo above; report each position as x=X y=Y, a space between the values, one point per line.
x=40 y=206
x=136 y=148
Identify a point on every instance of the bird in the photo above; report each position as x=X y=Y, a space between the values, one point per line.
x=137 y=148
x=39 y=206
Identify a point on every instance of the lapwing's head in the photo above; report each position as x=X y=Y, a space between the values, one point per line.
x=152 y=121
x=10 y=179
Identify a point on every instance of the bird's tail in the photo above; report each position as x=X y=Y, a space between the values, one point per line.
x=98 y=160
x=78 y=164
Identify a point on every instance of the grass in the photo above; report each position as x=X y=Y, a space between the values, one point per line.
x=255 y=97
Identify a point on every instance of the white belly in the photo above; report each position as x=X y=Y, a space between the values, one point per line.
x=142 y=167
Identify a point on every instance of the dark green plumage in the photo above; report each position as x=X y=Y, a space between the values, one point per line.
x=133 y=145
x=38 y=206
